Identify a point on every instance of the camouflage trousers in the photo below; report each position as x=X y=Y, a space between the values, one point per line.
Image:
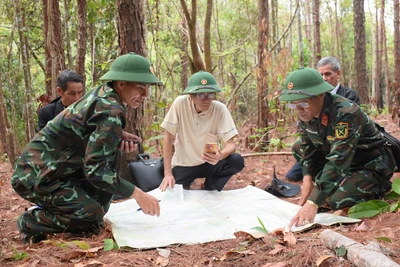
x=75 y=206
x=359 y=185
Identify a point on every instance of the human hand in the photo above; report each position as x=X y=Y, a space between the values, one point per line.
x=306 y=189
x=129 y=142
x=212 y=158
x=149 y=204
x=304 y=216
x=168 y=181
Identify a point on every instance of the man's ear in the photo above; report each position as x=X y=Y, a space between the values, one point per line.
x=338 y=73
x=59 y=91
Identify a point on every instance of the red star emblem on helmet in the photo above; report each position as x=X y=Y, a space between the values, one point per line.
x=204 y=81
x=290 y=86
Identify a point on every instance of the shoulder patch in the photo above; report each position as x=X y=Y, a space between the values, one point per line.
x=342 y=130
x=324 y=120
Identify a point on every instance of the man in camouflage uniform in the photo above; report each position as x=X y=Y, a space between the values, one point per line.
x=68 y=169
x=342 y=152
x=329 y=67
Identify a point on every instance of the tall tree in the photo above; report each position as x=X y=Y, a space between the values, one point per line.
x=207 y=36
x=379 y=52
x=28 y=103
x=360 y=63
x=316 y=31
x=131 y=34
x=82 y=40
x=66 y=21
x=262 y=68
x=396 y=86
x=300 y=37
x=191 y=18
x=54 y=45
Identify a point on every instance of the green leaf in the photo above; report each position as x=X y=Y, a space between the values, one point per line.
x=109 y=244
x=383 y=238
x=394 y=207
x=82 y=245
x=260 y=229
x=396 y=185
x=341 y=251
x=392 y=196
x=364 y=210
x=379 y=203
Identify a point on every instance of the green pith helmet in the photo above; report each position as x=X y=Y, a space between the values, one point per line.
x=202 y=82
x=131 y=68
x=304 y=83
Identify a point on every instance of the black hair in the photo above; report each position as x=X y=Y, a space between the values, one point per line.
x=68 y=76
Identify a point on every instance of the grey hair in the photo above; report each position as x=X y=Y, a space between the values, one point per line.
x=68 y=76
x=329 y=60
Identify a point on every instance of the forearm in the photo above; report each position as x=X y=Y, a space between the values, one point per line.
x=167 y=153
x=229 y=148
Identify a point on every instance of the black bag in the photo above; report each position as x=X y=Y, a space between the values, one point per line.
x=281 y=188
x=392 y=142
x=146 y=172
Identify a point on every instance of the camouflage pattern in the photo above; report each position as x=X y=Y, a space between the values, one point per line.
x=345 y=154
x=68 y=168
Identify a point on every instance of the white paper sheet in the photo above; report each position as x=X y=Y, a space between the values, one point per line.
x=199 y=216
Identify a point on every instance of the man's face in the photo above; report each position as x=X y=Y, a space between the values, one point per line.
x=329 y=74
x=132 y=93
x=73 y=93
x=202 y=101
x=307 y=109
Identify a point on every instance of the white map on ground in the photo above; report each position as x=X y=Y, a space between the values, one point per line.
x=199 y=216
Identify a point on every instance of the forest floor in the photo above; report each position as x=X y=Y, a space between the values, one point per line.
x=272 y=250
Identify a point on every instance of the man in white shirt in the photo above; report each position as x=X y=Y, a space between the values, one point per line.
x=191 y=120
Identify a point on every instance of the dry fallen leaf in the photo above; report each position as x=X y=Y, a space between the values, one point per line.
x=278 y=248
x=278 y=231
x=162 y=261
x=322 y=258
x=364 y=226
x=277 y=264
x=290 y=238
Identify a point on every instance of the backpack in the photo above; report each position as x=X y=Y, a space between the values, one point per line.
x=391 y=142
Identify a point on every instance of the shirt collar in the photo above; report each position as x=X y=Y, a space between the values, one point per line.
x=334 y=91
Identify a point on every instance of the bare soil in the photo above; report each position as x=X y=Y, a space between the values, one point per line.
x=271 y=250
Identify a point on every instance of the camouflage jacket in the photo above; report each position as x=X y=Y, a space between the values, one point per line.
x=79 y=143
x=342 y=140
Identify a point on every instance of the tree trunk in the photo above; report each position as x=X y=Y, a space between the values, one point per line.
x=66 y=21
x=207 y=36
x=184 y=57
x=359 y=47
x=54 y=48
x=82 y=40
x=379 y=65
x=300 y=37
x=316 y=26
x=6 y=134
x=191 y=18
x=396 y=69
x=132 y=36
x=262 y=69
x=29 y=121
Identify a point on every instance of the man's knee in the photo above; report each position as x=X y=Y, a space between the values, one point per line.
x=236 y=162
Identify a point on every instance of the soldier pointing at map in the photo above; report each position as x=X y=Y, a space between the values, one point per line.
x=343 y=155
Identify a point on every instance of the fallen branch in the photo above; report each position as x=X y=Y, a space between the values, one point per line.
x=267 y=154
x=359 y=255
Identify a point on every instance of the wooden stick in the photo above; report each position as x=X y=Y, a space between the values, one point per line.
x=267 y=154
x=359 y=255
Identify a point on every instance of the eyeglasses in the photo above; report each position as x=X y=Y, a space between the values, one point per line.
x=301 y=105
x=204 y=95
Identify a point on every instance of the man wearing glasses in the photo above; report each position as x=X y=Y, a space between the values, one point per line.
x=329 y=67
x=344 y=157
x=192 y=120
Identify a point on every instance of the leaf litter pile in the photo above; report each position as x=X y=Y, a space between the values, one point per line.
x=278 y=248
